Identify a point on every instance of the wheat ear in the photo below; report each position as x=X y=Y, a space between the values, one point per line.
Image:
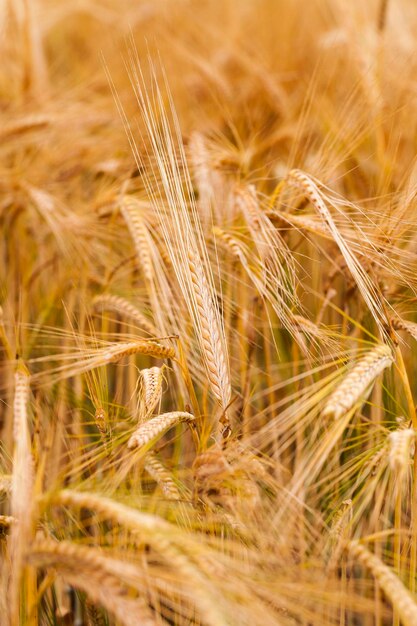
x=409 y=327
x=356 y=382
x=210 y=334
x=121 y=306
x=161 y=476
x=399 y=596
x=401 y=448
x=183 y=233
x=151 y=380
x=131 y=212
x=156 y=427
x=367 y=288
x=167 y=539
x=150 y=348
x=87 y=570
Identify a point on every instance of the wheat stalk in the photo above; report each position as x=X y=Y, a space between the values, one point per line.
x=157 y=426
x=356 y=382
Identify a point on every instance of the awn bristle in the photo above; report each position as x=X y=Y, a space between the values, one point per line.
x=357 y=381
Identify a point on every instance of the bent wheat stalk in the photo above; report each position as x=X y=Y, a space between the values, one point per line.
x=357 y=381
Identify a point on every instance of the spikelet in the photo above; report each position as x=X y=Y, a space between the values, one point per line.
x=150 y=393
x=156 y=427
x=121 y=306
x=162 y=476
x=400 y=598
x=356 y=382
x=401 y=449
x=22 y=461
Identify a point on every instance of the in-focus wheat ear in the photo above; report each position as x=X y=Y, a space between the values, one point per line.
x=355 y=384
x=150 y=390
x=156 y=427
x=168 y=179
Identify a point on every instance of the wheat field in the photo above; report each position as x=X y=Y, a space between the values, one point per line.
x=208 y=320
